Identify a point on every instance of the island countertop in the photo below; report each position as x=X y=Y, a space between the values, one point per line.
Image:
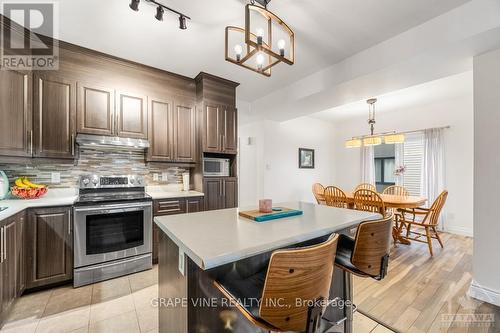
x=218 y=237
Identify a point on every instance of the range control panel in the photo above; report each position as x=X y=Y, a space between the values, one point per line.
x=96 y=181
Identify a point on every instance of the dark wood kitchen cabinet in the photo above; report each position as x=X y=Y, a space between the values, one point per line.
x=131 y=115
x=172 y=131
x=95 y=109
x=49 y=246
x=220 y=192
x=220 y=134
x=15 y=113
x=54 y=116
x=11 y=262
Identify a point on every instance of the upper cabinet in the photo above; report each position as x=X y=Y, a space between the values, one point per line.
x=54 y=117
x=95 y=109
x=230 y=135
x=172 y=130
x=15 y=113
x=131 y=115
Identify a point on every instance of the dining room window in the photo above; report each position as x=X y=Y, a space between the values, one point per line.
x=384 y=166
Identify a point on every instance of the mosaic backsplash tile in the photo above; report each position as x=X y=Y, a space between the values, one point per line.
x=99 y=160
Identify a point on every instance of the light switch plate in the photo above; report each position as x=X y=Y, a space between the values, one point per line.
x=155 y=177
x=164 y=176
x=55 y=177
x=181 y=262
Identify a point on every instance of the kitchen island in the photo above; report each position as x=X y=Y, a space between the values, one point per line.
x=198 y=248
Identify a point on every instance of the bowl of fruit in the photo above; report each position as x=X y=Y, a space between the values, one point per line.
x=24 y=189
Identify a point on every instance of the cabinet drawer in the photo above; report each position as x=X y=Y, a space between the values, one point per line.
x=169 y=207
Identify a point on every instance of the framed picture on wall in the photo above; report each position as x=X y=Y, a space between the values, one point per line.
x=306 y=158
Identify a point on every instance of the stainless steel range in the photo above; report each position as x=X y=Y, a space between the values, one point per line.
x=113 y=221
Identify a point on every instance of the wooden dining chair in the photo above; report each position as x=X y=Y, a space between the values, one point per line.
x=397 y=190
x=423 y=218
x=335 y=197
x=366 y=186
x=369 y=201
x=319 y=193
x=293 y=274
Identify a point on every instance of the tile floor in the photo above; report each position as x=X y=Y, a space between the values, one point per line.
x=119 y=305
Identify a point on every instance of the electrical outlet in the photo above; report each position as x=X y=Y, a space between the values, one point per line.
x=155 y=177
x=55 y=177
x=164 y=176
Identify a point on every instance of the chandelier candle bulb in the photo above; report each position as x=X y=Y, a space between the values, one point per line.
x=260 y=35
x=281 y=47
x=238 y=50
x=260 y=60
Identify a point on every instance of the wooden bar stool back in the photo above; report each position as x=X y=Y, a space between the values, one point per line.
x=319 y=193
x=366 y=186
x=335 y=197
x=299 y=273
x=369 y=201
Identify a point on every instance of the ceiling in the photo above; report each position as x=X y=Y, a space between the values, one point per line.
x=327 y=31
x=448 y=88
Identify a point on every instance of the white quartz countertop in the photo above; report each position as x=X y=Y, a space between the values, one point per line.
x=54 y=197
x=218 y=237
x=67 y=197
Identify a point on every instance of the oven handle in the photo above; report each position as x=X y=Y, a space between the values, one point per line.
x=105 y=209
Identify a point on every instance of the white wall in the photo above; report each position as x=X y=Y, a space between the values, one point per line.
x=457 y=113
x=486 y=265
x=269 y=165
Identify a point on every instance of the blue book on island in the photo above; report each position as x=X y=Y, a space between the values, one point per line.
x=278 y=213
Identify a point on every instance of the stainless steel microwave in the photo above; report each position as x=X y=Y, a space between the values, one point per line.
x=216 y=167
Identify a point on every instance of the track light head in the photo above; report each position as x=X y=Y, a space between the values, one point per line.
x=159 y=13
x=134 y=5
x=182 y=23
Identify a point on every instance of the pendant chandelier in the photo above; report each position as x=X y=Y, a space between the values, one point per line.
x=264 y=42
x=374 y=139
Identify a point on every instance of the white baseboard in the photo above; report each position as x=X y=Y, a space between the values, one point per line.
x=484 y=294
x=460 y=231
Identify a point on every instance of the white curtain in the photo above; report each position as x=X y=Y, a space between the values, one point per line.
x=367 y=165
x=399 y=159
x=433 y=165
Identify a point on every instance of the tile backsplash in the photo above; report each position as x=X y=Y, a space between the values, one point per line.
x=99 y=160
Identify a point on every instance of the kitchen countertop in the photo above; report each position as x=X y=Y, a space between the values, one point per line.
x=215 y=238
x=67 y=197
x=54 y=197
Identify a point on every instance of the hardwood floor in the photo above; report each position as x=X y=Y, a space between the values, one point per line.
x=422 y=293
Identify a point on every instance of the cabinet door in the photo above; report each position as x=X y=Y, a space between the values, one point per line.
x=95 y=109
x=230 y=135
x=49 y=246
x=194 y=205
x=15 y=113
x=160 y=131
x=212 y=187
x=185 y=131
x=132 y=116
x=54 y=117
x=230 y=193
x=211 y=128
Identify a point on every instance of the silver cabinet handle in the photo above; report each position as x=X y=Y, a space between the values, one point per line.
x=1 y=245
x=31 y=142
x=69 y=222
x=4 y=244
x=72 y=145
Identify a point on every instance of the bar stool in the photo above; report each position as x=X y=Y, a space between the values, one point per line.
x=299 y=273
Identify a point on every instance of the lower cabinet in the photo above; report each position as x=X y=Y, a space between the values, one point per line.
x=171 y=207
x=11 y=262
x=220 y=192
x=49 y=246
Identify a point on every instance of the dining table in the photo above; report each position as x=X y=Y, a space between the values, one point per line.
x=394 y=202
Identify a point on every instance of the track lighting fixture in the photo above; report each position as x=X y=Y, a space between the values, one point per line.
x=160 y=11
x=182 y=22
x=134 y=5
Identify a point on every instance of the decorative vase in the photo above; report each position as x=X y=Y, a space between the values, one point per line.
x=4 y=185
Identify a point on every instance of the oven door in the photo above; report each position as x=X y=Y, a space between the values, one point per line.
x=109 y=232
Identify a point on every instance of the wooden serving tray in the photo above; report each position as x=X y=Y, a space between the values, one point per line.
x=278 y=213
